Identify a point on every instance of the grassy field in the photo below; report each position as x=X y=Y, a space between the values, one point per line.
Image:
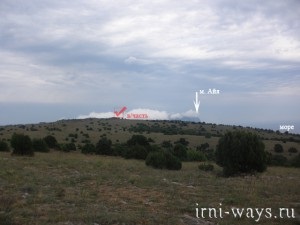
x=72 y=188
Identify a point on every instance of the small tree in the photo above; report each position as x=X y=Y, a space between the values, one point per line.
x=278 y=148
x=88 y=148
x=138 y=139
x=51 y=141
x=39 y=145
x=4 y=146
x=180 y=151
x=292 y=150
x=21 y=144
x=241 y=152
x=103 y=147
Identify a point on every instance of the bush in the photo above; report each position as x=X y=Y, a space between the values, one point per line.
x=103 y=147
x=206 y=167
x=67 y=147
x=138 y=139
x=296 y=161
x=4 y=146
x=51 y=141
x=136 y=152
x=180 y=151
x=120 y=150
x=156 y=160
x=292 y=150
x=173 y=163
x=21 y=145
x=163 y=160
x=182 y=141
x=193 y=155
x=39 y=145
x=278 y=160
x=278 y=148
x=241 y=152
x=88 y=148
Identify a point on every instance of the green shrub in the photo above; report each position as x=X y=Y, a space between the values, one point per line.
x=278 y=148
x=67 y=147
x=156 y=160
x=138 y=140
x=208 y=135
x=136 y=152
x=51 y=141
x=240 y=152
x=278 y=160
x=21 y=145
x=163 y=160
x=39 y=145
x=88 y=148
x=173 y=163
x=182 y=141
x=103 y=147
x=4 y=146
x=292 y=150
x=193 y=155
x=206 y=167
x=166 y=144
x=296 y=161
x=180 y=151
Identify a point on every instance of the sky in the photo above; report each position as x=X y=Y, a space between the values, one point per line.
x=64 y=59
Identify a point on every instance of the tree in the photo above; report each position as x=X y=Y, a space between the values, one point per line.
x=138 y=139
x=4 y=146
x=103 y=147
x=180 y=151
x=51 y=141
x=163 y=160
x=39 y=145
x=88 y=148
x=21 y=144
x=292 y=150
x=278 y=148
x=182 y=141
x=240 y=152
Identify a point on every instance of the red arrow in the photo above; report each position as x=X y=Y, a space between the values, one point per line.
x=121 y=111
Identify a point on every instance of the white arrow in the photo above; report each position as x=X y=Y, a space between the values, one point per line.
x=197 y=103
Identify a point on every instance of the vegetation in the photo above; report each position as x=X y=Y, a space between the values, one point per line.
x=241 y=152
x=104 y=147
x=163 y=160
x=278 y=148
x=60 y=188
x=39 y=145
x=21 y=145
x=51 y=141
x=206 y=167
x=4 y=146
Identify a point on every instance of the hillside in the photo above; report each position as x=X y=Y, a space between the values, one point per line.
x=120 y=130
x=77 y=189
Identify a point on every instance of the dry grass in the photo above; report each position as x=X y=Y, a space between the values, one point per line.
x=71 y=188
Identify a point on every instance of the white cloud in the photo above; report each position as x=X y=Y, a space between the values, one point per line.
x=151 y=114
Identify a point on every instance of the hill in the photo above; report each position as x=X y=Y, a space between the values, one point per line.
x=120 y=130
x=73 y=188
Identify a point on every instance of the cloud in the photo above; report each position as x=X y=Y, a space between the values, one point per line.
x=151 y=114
x=102 y=115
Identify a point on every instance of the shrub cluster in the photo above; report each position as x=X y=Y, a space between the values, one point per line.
x=4 y=146
x=21 y=145
x=240 y=152
x=163 y=160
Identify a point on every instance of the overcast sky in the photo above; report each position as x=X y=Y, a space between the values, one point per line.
x=79 y=58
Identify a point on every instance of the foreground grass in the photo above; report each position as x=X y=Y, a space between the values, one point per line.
x=71 y=188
